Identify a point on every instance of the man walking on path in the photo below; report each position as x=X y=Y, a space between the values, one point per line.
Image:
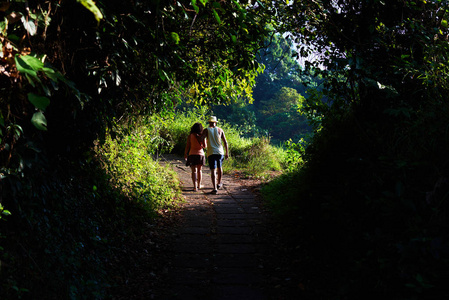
x=215 y=152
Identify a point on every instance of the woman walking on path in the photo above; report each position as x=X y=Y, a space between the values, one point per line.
x=194 y=154
x=215 y=152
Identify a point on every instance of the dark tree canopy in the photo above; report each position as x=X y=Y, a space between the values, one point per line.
x=77 y=66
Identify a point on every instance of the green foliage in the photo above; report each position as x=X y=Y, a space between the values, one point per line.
x=128 y=162
x=294 y=153
x=90 y=5
x=237 y=144
x=277 y=56
x=281 y=90
x=281 y=192
x=177 y=127
x=257 y=159
x=283 y=96
x=281 y=115
x=242 y=116
x=205 y=53
x=3 y=212
x=286 y=100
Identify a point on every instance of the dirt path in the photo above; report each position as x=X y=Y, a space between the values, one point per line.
x=224 y=247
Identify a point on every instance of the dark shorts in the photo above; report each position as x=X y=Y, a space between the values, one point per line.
x=215 y=161
x=194 y=160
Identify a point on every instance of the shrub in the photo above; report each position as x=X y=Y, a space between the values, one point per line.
x=258 y=159
x=293 y=158
x=128 y=161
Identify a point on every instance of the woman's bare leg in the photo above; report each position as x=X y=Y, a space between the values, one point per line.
x=199 y=174
x=194 y=177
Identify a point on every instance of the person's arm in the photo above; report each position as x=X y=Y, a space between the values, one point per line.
x=203 y=144
x=204 y=134
x=225 y=143
x=186 y=151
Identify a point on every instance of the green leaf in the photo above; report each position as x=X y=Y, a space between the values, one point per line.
x=217 y=17
x=163 y=75
x=90 y=5
x=28 y=64
x=175 y=37
x=49 y=72
x=39 y=121
x=40 y=102
x=195 y=7
x=31 y=79
x=444 y=23
x=238 y=4
x=54 y=77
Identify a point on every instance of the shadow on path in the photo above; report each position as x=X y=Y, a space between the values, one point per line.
x=223 y=248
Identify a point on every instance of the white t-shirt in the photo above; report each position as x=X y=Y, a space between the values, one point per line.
x=214 y=145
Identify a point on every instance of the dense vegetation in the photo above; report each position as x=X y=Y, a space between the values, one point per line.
x=370 y=200
x=89 y=88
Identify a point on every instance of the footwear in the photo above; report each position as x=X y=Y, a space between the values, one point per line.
x=220 y=185
x=214 y=192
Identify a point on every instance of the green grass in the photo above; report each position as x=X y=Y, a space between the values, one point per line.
x=256 y=159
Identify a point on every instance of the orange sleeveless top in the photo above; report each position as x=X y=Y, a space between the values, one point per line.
x=195 y=147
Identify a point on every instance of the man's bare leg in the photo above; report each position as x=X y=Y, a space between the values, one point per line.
x=219 y=175
x=213 y=176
